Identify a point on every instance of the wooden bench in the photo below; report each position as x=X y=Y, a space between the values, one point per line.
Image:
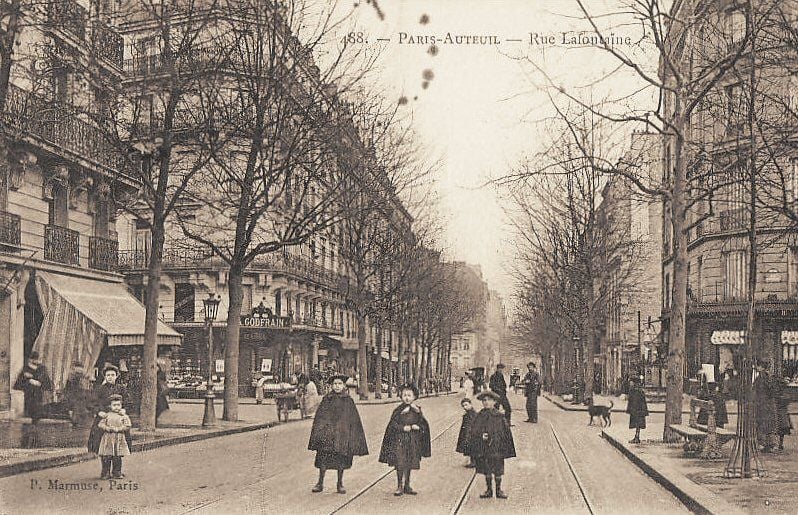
x=704 y=440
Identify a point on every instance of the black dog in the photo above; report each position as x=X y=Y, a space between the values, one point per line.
x=600 y=411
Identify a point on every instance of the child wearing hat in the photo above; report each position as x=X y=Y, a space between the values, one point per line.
x=491 y=442
x=337 y=433
x=465 y=430
x=113 y=444
x=406 y=440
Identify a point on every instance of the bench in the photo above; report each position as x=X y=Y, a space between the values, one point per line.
x=704 y=440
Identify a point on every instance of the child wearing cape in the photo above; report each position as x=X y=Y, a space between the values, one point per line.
x=490 y=443
x=465 y=430
x=406 y=440
x=337 y=433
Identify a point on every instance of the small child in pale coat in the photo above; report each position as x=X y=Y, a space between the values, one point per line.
x=113 y=444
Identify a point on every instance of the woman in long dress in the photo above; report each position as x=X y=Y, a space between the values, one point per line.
x=311 y=399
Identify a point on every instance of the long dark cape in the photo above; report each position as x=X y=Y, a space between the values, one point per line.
x=465 y=432
x=395 y=429
x=337 y=427
x=500 y=442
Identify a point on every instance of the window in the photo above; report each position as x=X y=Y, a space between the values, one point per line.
x=246 y=299
x=58 y=209
x=734 y=26
x=666 y=292
x=184 y=302
x=735 y=274
x=699 y=279
x=278 y=303
x=792 y=93
x=792 y=180
x=735 y=109
x=792 y=271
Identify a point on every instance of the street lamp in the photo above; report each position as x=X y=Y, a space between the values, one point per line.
x=211 y=309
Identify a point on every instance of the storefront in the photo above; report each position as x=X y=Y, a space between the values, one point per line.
x=79 y=319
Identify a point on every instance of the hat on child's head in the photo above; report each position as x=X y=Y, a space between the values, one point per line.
x=488 y=394
x=342 y=377
x=34 y=355
x=110 y=367
x=114 y=397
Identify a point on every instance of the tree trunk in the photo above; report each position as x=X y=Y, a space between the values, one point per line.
x=149 y=358
x=391 y=368
x=676 y=341
x=400 y=355
x=231 y=350
x=362 y=357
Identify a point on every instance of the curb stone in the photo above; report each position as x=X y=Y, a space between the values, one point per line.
x=70 y=459
x=695 y=497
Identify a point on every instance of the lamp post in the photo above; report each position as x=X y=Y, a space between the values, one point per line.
x=211 y=309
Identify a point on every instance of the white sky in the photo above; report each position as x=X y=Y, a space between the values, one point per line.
x=479 y=111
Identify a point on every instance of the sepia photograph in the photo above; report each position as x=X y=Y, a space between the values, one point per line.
x=430 y=257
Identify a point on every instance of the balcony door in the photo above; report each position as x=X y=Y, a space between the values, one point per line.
x=58 y=209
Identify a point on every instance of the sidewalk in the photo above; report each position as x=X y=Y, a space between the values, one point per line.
x=700 y=483
x=619 y=404
x=60 y=444
x=63 y=445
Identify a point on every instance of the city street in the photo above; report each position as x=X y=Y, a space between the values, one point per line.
x=271 y=471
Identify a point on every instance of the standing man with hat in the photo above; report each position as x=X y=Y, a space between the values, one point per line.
x=34 y=380
x=532 y=390
x=499 y=386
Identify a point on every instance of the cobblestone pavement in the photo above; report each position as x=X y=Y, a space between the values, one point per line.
x=271 y=471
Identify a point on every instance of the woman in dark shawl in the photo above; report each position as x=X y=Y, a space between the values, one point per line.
x=337 y=434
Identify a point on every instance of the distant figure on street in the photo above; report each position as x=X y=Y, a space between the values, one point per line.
x=315 y=376
x=491 y=442
x=468 y=385
x=498 y=386
x=311 y=399
x=406 y=440
x=765 y=406
x=711 y=392
x=465 y=431
x=77 y=395
x=782 y=410
x=531 y=391
x=113 y=444
x=337 y=433
x=515 y=377
x=34 y=381
x=637 y=408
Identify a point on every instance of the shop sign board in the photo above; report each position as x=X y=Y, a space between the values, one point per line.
x=220 y=366
x=266 y=365
x=266 y=322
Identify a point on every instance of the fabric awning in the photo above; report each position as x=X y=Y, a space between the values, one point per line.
x=80 y=317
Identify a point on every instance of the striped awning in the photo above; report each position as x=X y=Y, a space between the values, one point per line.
x=80 y=317
x=727 y=338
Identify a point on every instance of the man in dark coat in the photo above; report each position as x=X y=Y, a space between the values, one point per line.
x=100 y=404
x=765 y=407
x=34 y=380
x=531 y=391
x=637 y=408
x=783 y=422
x=498 y=386
x=337 y=433
x=491 y=442
x=162 y=391
x=406 y=439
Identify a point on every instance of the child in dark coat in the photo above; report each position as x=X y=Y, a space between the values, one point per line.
x=637 y=409
x=406 y=440
x=465 y=429
x=490 y=443
x=337 y=433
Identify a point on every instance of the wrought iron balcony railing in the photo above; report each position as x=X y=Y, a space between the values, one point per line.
x=61 y=245
x=108 y=44
x=55 y=124
x=68 y=16
x=9 y=229
x=103 y=253
x=197 y=60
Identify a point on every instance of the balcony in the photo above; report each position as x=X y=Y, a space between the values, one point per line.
x=69 y=16
x=9 y=229
x=61 y=245
x=197 y=60
x=108 y=44
x=64 y=131
x=103 y=254
x=317 y=323
x=733 y=220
